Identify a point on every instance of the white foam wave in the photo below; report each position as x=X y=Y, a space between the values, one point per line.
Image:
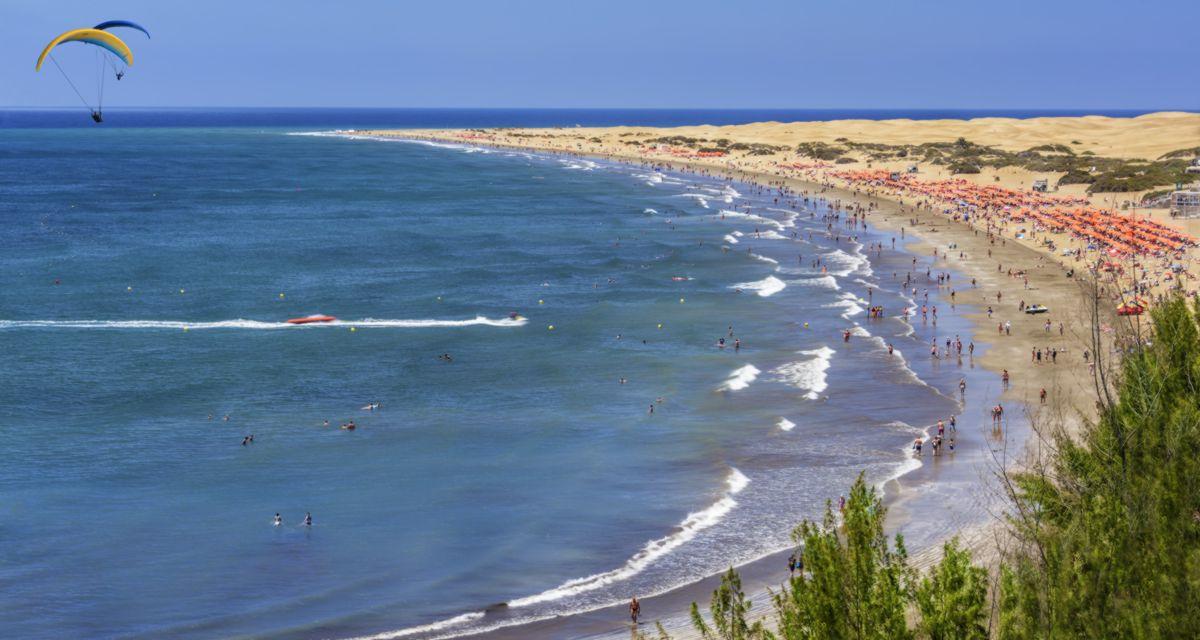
x=768 y=286
x=763 y=258
x=256 y=324
x=730 y=239
x=785 y=425
x=700 y=198
x=729 y=213
x=579 y=164
x=842 y=264
x=649 y=212
x=824 y=282
x=693 y=524
x=426 y=628
x=790 y=216
x=740 y=378
x=850 y=304
x=808 y=374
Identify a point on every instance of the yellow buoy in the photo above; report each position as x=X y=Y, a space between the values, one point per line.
x=550 y=327
x=681 y=301
x=129 y=288
x=281 y=296
x=181 y=291
x=660 y=325
x=185 y=328
x=353 y=329
x=439 y=298
x=805 y=325
x=541 y=302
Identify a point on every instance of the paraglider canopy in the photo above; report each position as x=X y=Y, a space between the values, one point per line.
x=102 y=39
x=109 y=24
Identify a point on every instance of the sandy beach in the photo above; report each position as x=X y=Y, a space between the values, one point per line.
x=996 y=275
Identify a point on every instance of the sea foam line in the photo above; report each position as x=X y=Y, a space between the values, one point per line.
x=693 y=524
x=256 y=324
x=426 y=628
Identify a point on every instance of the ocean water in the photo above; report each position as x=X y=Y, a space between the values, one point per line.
x=146 y=275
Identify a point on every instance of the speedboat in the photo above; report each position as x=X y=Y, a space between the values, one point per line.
x=311 y=319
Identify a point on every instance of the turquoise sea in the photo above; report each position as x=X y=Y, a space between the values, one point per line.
x=146 y=276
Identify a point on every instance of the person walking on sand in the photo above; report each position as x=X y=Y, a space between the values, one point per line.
x=635 y=609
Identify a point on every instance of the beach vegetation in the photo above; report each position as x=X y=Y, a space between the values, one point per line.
x=952 y=599
x=1186 y=154
x=1156 y=194
x=963 y=156
x=1076 y=176
x=820 y=150
x=1052 y=148
x=857 y=584
x=845 y=160
x=1140 y=176
x=1102 y=533
x=729 y=613
x=1108 y=530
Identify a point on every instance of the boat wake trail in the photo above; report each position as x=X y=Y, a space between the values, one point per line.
x=366 y=323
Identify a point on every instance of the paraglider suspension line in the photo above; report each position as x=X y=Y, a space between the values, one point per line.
x=103 y=74
x=68 y=78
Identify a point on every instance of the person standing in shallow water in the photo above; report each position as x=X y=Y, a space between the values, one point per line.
x=635 y=609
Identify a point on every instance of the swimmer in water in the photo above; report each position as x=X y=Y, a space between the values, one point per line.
x=307 y=519
x=278 y=520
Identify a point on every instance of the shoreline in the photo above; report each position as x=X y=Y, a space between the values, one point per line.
x=765 y=572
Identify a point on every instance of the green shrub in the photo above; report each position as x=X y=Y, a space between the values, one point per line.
x=1077 y=176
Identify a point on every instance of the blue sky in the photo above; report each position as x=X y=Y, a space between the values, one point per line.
x=616 y=53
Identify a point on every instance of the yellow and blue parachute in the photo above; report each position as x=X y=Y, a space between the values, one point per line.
x=110 y=50
x=110 y=24
x=102 y=39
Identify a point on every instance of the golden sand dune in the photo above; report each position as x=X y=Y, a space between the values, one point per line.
x=1148 y=136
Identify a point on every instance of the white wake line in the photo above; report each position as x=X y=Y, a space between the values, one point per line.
x=367 y=323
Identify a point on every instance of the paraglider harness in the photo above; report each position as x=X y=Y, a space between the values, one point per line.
x=97 y=116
